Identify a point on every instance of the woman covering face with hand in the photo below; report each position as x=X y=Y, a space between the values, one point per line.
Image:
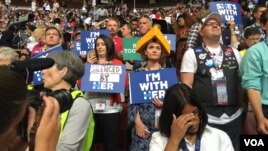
x=183 y=125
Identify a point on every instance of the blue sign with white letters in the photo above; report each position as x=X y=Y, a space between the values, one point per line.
x=227 y=10
x=88 y=38
x=48 y=51
x=37 y=76
x=104 y=78
x=77 y=48
x=171 y=38
x=145 y=85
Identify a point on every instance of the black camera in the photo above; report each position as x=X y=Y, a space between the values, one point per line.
x=63 y=97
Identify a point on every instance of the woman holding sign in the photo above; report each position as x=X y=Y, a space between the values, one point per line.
x=106 y=106
x=143 y=118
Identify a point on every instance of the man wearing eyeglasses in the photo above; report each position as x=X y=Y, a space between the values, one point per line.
x=212 y=71
x=258 y=10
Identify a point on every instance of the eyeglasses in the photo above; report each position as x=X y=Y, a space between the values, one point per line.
x=212 y=24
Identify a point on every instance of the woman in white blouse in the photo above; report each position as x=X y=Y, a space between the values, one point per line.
x=183 y=125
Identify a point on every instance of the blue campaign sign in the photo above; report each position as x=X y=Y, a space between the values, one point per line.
x=143 y=86
x=228 y=11
x=171 y=40
x=88 y=38
x=37 y=76
x=104 y=78
x=77 y=48
x=48 y=51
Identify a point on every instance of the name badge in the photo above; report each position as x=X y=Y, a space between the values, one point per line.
x=157 y=116
x=100 y=106
x=216 y=73
x=219 y=90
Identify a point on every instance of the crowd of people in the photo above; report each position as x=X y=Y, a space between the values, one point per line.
x=221 y=73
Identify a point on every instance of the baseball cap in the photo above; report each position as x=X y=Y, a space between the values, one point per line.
x=213 y=15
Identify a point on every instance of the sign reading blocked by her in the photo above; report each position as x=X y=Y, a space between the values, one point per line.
x=143 y=86
x=227 y=10
x=104 y=78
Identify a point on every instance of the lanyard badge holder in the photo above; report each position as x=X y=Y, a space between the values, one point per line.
x=101 y=104
x=219 y=84
x=219 y=91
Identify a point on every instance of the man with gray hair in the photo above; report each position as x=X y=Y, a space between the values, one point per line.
x=8 y=55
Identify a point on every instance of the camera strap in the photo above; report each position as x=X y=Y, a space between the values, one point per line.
x=35 y=127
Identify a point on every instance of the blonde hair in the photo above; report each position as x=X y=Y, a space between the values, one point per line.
x=38 y=33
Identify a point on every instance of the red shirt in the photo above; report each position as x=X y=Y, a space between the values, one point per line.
x=118 y=43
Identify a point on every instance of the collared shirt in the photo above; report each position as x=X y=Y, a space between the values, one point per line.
x=212 y=140
x=118 y=43
x=254 y=69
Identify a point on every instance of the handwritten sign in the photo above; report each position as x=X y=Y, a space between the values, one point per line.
x=104 y=78
x=148 y=84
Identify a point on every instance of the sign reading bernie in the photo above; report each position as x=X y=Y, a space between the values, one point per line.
x=104 y=78
x=227 y=10
x=146 y=85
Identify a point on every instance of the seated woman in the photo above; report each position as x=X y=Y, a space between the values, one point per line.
x=183 y=125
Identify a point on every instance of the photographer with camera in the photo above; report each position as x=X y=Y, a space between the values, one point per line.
x=77 y=122
x=13 y=105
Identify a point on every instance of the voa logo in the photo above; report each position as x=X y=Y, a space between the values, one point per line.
x=253 y=142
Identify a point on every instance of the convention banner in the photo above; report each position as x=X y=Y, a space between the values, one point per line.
x=88 y=38
x=228 y=11
x=37 y=76
x=77 y=48
x=129 y=49
x=145 y=85
x=104 y=78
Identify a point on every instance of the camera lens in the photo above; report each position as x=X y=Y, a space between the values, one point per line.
x=64 y=99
